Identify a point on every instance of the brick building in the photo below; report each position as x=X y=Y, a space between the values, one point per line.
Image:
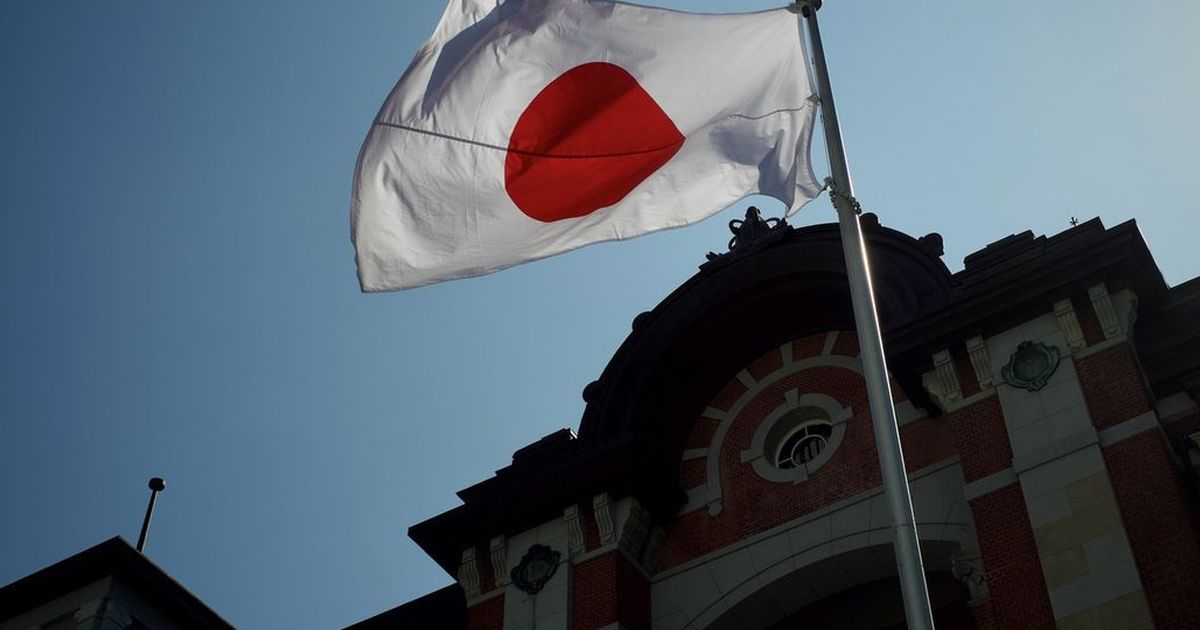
x=725 y=476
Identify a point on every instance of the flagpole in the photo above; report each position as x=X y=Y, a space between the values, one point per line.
x=917 y=609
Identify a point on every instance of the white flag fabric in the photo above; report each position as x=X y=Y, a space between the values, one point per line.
x=524 y=129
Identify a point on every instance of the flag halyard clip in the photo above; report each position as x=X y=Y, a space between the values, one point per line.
x=835 y=194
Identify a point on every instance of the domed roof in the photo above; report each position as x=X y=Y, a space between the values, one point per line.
x=780 y=284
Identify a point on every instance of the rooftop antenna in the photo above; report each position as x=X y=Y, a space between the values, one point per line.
x=156 y=485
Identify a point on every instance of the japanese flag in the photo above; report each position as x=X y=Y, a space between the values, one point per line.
x=528 y=128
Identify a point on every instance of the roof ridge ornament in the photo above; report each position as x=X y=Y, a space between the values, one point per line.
x=751 y=234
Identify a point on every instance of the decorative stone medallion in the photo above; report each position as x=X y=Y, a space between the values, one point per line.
x=536 y=568
x=1031 y=365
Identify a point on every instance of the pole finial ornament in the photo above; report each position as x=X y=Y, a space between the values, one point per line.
x=804 y=7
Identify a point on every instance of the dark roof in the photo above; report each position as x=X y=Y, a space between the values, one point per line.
x=445 y=609
x=1168 y=341
x=790 y=283
x=112 y=557
x=1004 y=281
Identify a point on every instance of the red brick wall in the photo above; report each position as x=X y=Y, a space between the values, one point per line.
x=980 y=438
x=766 y=364
x=702 y=433
x=985 y=618
x=845 y=345
x=1001 y=522
x=751 y=504
x=925 y=442
x=812 y=346
x=608 y=589
x=1112 y=386
x=591 y=532
x=1147 y=487
x=967 y=380
x=487 y=577
x=692 y=473
x=633 y=610
x=1016 y=586
x=729 y=395
x=487 y=615
x=1089 y=324
x=1160 y=532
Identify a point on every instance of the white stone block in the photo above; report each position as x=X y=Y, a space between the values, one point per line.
x=770 y=552
x=1068 y=422
x=1021 y=408
x=934 y=493
x=851 y=519
x=518 y=609
x=1041 y=328
x=670 y=621
x=1029 y=438
x=881 y=516
x=1062 y=472
x=1107 y=550
x=1001 y=346
x=959 y=514
x=811 y=534
x=731 y=570
x=554 y=621
x=849 y=543
x=1048 y=507
x=685 y=593
x=553 y=534
x=884 y=536
x=1094 y=589
x=1060 y=396
x=1066 y=367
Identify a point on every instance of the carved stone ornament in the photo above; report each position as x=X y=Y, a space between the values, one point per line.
x=1031 y=365
x=536 y=568
x=967 y=566
x=500 y=560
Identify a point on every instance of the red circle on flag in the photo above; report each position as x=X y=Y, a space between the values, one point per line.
x=585 y=141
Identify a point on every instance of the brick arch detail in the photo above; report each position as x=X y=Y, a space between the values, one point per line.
x=706 y=487
x=819 y=572
x=818 y=554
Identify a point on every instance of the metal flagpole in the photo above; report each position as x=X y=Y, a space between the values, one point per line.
x=917 y=610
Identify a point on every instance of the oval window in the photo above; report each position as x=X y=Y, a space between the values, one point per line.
x=803 y=443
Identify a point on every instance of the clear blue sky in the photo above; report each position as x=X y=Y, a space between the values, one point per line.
x=178 y=286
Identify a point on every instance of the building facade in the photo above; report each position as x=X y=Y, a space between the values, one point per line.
x=724 y=474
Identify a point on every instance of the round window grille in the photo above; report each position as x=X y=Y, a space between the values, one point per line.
x=803 y=444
